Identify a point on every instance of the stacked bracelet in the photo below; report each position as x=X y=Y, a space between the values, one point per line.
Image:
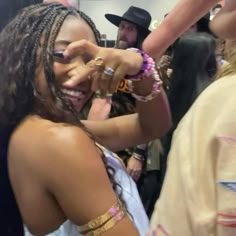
x=148 y=69
x=138 y=156
x=156 y=89
x=145 y=66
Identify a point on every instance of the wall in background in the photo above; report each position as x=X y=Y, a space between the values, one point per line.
x=96 y=9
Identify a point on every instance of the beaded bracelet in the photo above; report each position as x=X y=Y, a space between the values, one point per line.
x=148 y=69
x=156 y=89
x=146 y=66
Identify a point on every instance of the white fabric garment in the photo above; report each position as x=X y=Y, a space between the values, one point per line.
x=130 y=196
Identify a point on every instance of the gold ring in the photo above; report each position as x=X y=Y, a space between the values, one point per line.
x=98 y=61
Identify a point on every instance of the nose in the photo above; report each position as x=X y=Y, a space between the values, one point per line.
x=123 y=29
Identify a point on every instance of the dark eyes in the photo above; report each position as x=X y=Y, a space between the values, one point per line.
x=58 y=56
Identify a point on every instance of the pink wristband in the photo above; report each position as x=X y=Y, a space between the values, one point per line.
x=146 y=68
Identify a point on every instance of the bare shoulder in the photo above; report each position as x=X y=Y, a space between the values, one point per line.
x=58 y=160
x=40 y=141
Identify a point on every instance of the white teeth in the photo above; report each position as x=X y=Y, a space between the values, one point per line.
x=73 y=93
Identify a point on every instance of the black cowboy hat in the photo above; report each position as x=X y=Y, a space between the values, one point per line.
x=135 y=15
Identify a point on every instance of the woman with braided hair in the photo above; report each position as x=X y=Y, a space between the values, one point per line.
x=54 y=166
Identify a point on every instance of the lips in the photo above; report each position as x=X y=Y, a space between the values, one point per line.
x=77 y=97
x=73 y=94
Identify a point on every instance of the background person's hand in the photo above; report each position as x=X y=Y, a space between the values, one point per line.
x=100 y=109
x=107 y=67
x=164 y=62
x=134 y=168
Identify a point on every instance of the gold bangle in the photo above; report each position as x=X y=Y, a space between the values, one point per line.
x=108 y=225
x=102 y=219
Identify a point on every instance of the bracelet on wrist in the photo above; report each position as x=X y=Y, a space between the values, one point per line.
x=138 y=157
x=156 y=89
x=148 y=69
x=145 y=68
x=140 y=152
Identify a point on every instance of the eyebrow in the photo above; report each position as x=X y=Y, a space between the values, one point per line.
x=62 y=42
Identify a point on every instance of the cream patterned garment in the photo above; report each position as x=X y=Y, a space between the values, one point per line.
x=198 y=197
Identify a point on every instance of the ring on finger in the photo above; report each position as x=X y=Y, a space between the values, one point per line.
x=108 y=71
x=99 y=61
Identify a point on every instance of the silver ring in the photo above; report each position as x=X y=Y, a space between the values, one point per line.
x=108 y=71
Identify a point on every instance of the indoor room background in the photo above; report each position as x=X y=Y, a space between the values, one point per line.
x=96 y=9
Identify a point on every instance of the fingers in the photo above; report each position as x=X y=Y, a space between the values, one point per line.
x=105 y=80
x=106 y=69
x=134 y=171
x=135 y=174
x=118 y=75
x=91 y=70
x=81 y=48
x=110 y=78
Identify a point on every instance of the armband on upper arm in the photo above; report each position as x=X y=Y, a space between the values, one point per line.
x=105 y=221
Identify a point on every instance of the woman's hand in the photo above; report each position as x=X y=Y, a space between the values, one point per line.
x=107 y=67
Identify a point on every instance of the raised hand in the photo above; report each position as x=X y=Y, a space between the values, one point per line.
x=107 y=67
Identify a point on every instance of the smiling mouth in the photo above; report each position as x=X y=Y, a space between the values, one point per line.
x=73 y=94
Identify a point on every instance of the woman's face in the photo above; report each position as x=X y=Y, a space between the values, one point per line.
x=73 y=29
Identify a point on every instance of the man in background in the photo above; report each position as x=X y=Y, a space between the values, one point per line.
x=142 y=161
x=133 y=27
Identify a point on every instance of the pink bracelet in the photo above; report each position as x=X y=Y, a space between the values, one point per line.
x=156 y=89
x=148 y=69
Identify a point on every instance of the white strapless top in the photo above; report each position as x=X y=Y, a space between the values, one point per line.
x=130 y=196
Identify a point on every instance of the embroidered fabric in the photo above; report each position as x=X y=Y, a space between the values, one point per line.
x=130 y=195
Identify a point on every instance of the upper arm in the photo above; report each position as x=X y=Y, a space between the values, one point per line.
x=73 y=172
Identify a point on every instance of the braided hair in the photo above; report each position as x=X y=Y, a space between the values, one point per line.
x=25 y=44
